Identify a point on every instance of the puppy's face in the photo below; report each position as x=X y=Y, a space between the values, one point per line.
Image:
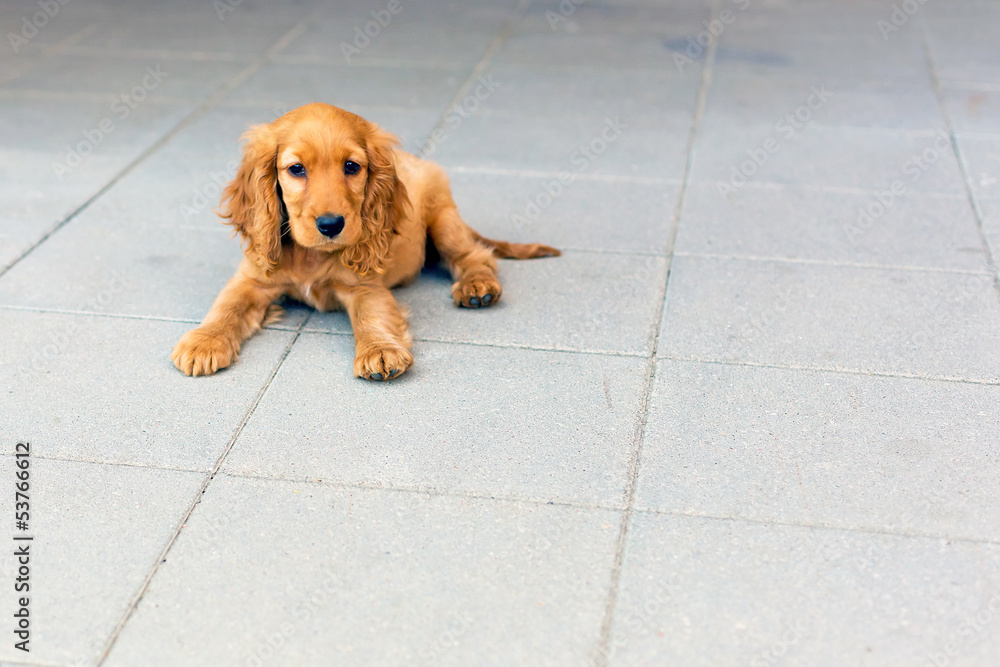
x=322 y=170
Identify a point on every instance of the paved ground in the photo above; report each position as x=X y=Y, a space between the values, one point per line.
x=751 y=417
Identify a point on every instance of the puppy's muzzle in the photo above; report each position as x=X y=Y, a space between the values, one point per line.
x=330 y=225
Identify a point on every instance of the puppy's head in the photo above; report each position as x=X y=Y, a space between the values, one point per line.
x=323 y=176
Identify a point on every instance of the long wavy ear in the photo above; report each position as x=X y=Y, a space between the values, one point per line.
x=250 y=202
x=383 y=207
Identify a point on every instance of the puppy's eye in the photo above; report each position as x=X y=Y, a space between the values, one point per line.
x=351 y=167
x=297 y=170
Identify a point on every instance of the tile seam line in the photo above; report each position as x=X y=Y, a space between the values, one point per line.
x=118 y=464
x=199 y=111
x=832 y=263
x=601 y=655
x=119 y=626
x=193 y=504
x=818 y=527
x=437 y=493
x=966 y=181
x=515 y=15
x=830 y=369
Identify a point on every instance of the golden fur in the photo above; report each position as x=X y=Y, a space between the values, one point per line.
x=391 y=207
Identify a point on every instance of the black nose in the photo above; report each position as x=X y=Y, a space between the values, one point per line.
x=330 y=225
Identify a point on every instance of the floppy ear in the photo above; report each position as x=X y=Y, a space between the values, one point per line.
x=383 y=207
x=250 y=202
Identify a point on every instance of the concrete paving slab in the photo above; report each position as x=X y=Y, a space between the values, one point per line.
x=536 y=91
x=404 y=41
x=833 y=317
x=981 y=156
x=844 y=157
x=523 y=583
x=130 y=81
x=793 y=222
x=293 y=85
x=736 y=99
x=588 y=302
x=864 y=453
x=97 y=531
x=700 y=591
x=568 y=442
x=537 y=45
x=974 y=112
x=964 y=47
x=104 y=389
x=242 y=30
x=617 y=144
x=598 y=214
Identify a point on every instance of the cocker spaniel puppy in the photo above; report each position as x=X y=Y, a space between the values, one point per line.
x=333 y=214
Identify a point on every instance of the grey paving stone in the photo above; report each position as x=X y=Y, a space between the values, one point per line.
x=973 y=112
x=538 y=46
x=706 y=592
x=981 y=156
x=383 y=578
x=878 y=320
x=736 y=99
x=104 y=389
x=537 y=91
x=296 y=84
x=615 y=17
x=812 y=154
x=244 y=29
x=964 y=48
x=591 y=302
x=43 y=178
x=583 y=214
x=97 y=530
x=524 y=423
x=858 y=452
x=172 y=273
x=617 y=144
x=804 y=223
x=129 y=82
x=401 y=42
x=829 y=46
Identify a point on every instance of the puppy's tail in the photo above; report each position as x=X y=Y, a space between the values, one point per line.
x=505 y=250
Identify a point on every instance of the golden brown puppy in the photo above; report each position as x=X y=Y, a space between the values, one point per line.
x=334 y=215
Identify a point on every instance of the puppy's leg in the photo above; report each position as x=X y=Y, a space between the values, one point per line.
x=381 y=333
x=472 y=263
x=238 y=312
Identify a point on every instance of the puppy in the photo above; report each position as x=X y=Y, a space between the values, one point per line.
x=333 y=214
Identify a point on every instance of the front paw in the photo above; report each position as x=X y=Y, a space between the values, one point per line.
x=382 y=362
x=476 y=292
x=202 y=353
